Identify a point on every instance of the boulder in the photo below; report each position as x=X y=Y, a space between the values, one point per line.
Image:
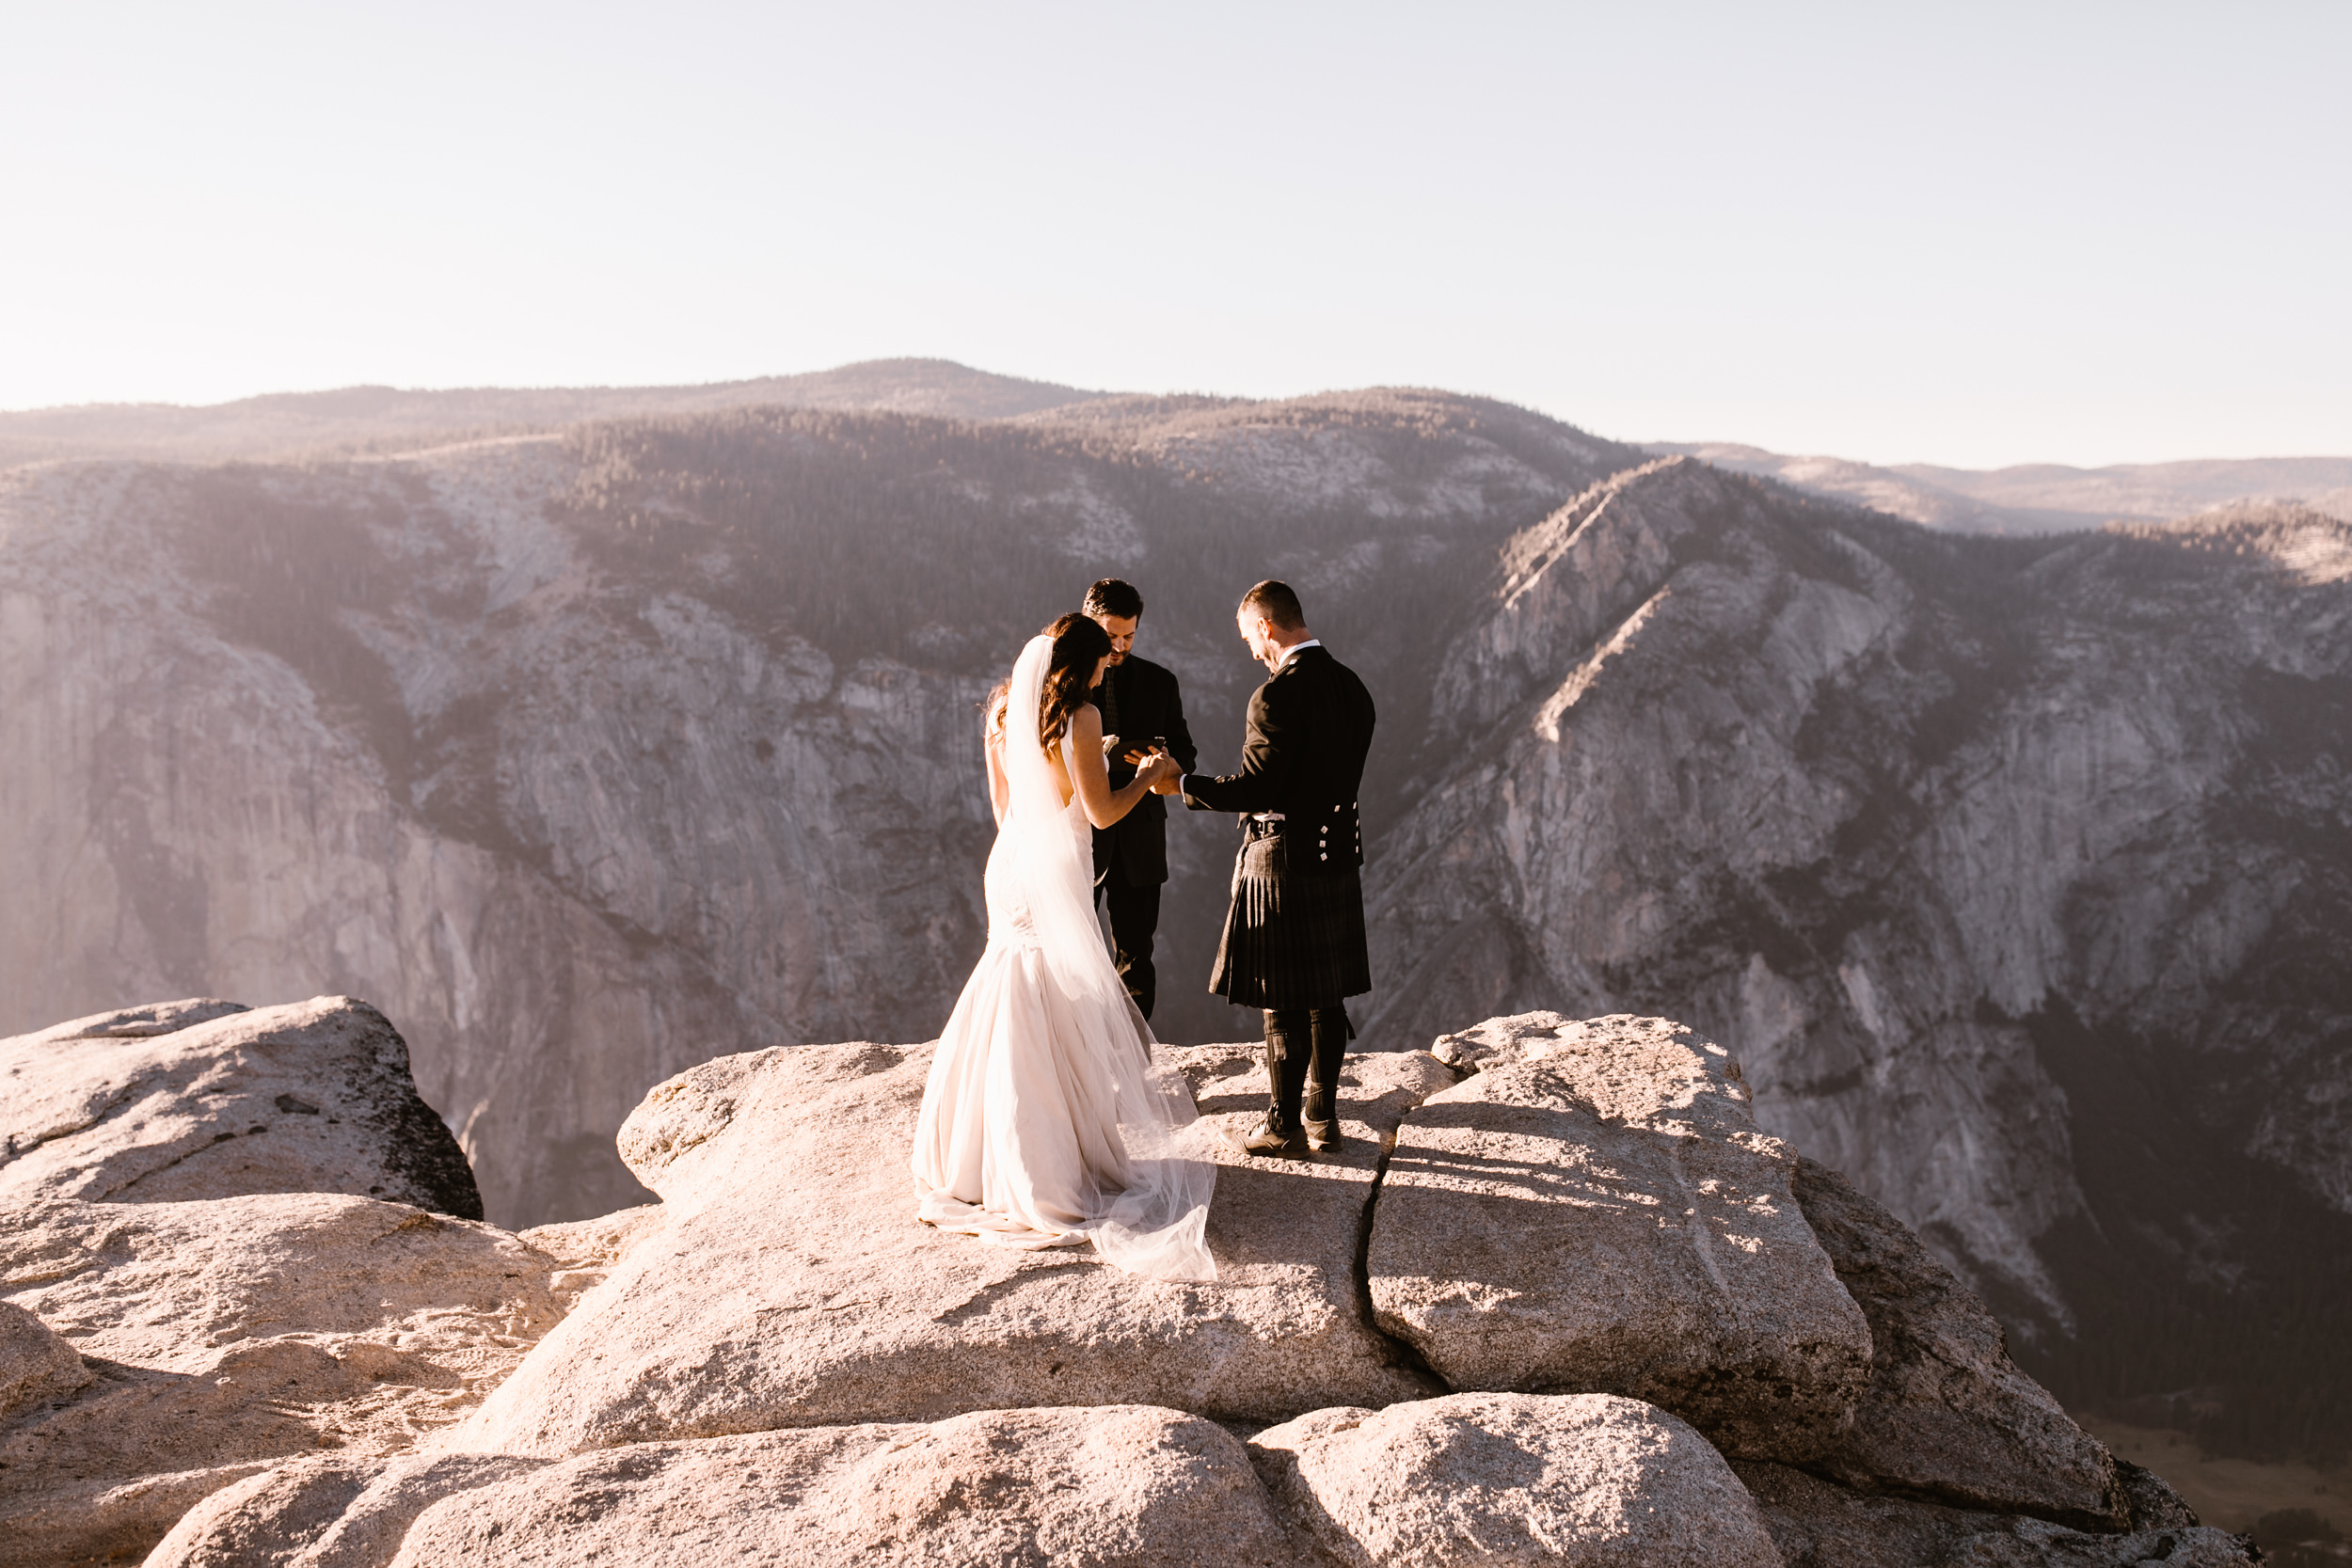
x=328 y=1511
x=1580 y=1480
x=36 y=1363
x=1127 y=1486
x=1946 y=1413
x=204 y=1099
x=1819 y=1524
x=790 y=1283
x=225 y=1336
x=1597 y=1212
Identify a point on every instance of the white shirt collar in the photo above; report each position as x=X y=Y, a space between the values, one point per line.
x=1310 y=642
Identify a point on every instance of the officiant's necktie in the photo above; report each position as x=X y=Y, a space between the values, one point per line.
x=1110 y=702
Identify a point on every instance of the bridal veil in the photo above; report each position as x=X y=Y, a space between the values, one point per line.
x=1046 y=1121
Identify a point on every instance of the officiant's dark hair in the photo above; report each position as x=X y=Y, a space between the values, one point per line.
x=1112 y=596
x=1079 y=645
x=1277 y=603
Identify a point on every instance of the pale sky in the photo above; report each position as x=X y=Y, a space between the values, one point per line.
x=1966 y=234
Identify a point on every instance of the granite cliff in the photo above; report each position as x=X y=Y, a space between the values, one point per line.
x=2020 y=873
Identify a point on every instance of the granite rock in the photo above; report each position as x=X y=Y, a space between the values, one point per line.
x=776 y=1360
x=330 y=1512
x=790 y=1284
x=1581 y=1479
x=203 y=1099
x=36 y=1363
x=1947 y=1414
x=2149 y=1501
x=1604 y=1217
x=1819 y=1524
x=1500 y=1041
x=225 y=1336
x=586 y=1250
x=143 y=1021
x=1127 y=1486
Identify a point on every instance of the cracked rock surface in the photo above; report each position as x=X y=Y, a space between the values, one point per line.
x=202 y=1099
x=1596 y=1212
x=790 y=1284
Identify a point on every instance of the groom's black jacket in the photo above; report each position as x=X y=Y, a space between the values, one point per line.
x=1149 y=706
x=1310 y=729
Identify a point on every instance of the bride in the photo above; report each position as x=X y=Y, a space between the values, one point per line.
x=1045 y=1121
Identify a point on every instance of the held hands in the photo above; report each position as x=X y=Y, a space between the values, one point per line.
x=1160 y=771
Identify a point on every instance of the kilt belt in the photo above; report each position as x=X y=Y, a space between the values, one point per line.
x=1294 y=932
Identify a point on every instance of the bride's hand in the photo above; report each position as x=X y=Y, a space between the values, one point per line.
x=1163 y=770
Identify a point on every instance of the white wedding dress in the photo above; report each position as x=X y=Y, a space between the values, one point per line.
x=1045 y=1121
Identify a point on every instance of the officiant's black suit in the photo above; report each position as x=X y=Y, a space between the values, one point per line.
x=1293 y=941
x=1140 y=703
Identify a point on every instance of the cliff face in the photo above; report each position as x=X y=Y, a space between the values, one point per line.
x=384 y=731
x=595 y=756
x=2020 y=874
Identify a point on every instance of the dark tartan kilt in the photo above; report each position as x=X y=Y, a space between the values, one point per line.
x=1293 y=937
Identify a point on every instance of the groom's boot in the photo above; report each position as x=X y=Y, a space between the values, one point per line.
x=1288 y=1043
x=1329 y=1032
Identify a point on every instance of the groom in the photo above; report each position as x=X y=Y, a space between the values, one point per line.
x=1293 y=941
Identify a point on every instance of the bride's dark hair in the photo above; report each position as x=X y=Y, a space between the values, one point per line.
x=1079 y=645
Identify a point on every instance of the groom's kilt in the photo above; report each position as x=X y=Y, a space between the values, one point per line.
x=1294 y=937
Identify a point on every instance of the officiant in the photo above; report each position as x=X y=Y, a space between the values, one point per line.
x=1143 y=710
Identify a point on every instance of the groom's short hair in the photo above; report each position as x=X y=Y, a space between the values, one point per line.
x=1112 y=596
x=1277 y=603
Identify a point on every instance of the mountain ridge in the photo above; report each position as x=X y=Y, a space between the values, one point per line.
x=283 y=426
x=2041 y=497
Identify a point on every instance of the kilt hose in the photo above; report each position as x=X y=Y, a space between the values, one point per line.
x=1294 y=937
